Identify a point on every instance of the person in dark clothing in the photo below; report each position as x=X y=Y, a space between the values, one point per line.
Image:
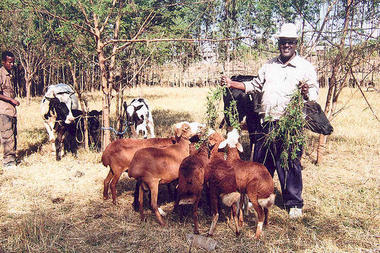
x=8 y=112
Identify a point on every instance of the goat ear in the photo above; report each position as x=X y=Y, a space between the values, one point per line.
x=239 y=147
x=223 y=144
x=177 y=132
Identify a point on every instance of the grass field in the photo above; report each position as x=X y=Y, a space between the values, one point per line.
x=49 y=206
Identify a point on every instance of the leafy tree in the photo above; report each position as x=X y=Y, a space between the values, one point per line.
x=26 y=35
x=113 y=26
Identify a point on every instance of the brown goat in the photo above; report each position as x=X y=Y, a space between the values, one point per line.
x=246 y=177
x=118 y=155
x=222 y=183
x=154 y=166
x=192 y=176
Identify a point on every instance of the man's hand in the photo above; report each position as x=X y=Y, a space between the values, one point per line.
x=304 y=90
x=225 y=81
x=15 y=102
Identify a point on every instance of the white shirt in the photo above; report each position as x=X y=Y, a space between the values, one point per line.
x=278 y=82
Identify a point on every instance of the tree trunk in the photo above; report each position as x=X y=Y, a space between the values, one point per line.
x=83 y=105
x=106 y=102
x=333 y=92
x=28 y=85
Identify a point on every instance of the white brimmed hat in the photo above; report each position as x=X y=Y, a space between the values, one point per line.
x=288 y=30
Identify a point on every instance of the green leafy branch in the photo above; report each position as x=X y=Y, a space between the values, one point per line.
x=289 y=129
x=213 y=100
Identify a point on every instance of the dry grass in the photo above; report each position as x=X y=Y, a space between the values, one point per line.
x=49 y=206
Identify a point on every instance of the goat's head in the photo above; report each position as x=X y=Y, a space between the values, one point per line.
x=183 y=131
x=130 y=115
x=195 y=129
x=232 y=140
x=316 y=119
x=57 y=110
x=94 y=120
x=214 y=138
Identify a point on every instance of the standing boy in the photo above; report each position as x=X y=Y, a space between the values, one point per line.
x=8 y=112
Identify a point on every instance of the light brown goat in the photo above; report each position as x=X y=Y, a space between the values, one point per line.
x=154 y=166
x=119 y=153
x=246 y=177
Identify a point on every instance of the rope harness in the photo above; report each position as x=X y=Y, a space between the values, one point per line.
x=115 y=131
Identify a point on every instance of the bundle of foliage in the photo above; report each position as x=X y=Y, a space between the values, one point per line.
x=213 y=99
x=289 y=130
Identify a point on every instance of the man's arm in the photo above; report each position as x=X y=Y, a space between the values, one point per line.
x=232 y=84
x=9 y=100
x=256 y=84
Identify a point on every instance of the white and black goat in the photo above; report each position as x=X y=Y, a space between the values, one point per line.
x=137 y=115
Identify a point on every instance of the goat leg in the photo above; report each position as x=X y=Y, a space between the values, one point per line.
x=260 y=216
x=243 y=204
x=58 y=147
x=266 y=213
x=141 y=199
x=114 y=181
x=107 y=184
x=229 y=221
x=154 y=196
x=178 y=208
x=214 y=208
x=241 y=218
x=235 y=217
x=195 y=216
x=213 y=224
x=135 y=203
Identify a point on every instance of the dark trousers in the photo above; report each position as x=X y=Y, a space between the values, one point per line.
x=291 y=178
x=8 y=133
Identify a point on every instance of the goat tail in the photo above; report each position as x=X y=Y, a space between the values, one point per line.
x=105 y=160
x=268 y=202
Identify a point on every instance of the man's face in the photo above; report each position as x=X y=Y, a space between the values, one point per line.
x=8 y=63
x=287 y=47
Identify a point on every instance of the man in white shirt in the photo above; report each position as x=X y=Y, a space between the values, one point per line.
x=277 y=80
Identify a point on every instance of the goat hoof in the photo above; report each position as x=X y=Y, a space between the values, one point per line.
x=257 y=236
x=105 y=197
x=196 y=232
x=114 y=202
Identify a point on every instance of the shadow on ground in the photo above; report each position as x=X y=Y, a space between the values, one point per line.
x=36 y=146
